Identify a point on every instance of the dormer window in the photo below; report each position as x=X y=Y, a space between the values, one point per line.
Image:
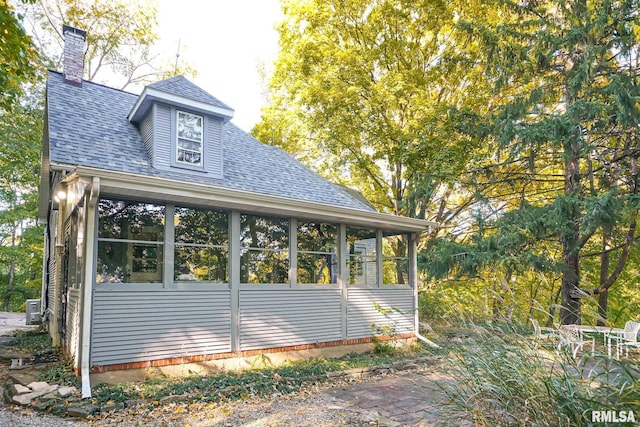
x=189 y=138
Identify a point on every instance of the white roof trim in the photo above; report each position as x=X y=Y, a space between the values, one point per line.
x=156 y=188
x=150 y=94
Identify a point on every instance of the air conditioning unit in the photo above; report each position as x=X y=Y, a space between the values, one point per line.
x=33 y=312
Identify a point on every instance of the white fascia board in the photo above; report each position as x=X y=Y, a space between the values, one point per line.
x=143 y=187
x=149 y=95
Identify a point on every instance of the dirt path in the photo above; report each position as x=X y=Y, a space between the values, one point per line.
x=9 y=322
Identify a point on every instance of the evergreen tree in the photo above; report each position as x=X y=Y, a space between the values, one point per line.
x=565 y=121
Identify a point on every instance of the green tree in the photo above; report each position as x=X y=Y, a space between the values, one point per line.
x=565 y=77
x=17 y=56
x=376 y=90
x=120 y=39
x=20 y=238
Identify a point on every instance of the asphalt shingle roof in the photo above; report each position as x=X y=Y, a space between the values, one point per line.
x=180 y=86
x=88 y=126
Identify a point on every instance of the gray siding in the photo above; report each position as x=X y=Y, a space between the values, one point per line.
x=363 y=317
x=146 y=131
x=163 y=136
x=72 y=327
x=132 y=326
x=278 y=318
x=53 y=264
x=213 y=146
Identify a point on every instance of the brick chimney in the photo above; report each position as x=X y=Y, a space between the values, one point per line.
x=73 y=62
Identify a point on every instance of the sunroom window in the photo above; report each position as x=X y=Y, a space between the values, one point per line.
x=201 y=251
x=363 y=265
x=264 y=250
x=130 y=242
x=190 y=137
x=317 y=253
x=395 y=259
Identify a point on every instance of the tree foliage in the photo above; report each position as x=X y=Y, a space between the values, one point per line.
x=20 y=238
x=120 y=39
x=17 y=56
x=514 y=125
x=364 y=86
x=564 y=131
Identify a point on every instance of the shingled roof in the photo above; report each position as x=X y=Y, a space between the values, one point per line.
x=180 y=86
x=88 y=126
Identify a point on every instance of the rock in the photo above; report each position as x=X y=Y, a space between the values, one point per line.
x=64 y=391
x=112 y=407
x=14 y=389
x=7 y=354
x=38 y=385
x=78 y=411
x=49 y=396
x=22 y=378
x=175 y=398
x=6 y=396
x=82 y=411
x=23 y=399
x=43 y=405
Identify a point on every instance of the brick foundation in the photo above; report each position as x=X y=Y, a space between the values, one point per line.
x=246 y=353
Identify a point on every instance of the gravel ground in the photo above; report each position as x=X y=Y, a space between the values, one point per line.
x=310 y=407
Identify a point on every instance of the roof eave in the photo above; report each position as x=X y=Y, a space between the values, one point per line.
x=149 y=95
x=44 y=195
x=155 y=188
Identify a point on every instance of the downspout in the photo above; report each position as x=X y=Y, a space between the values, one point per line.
x=413 y=271
x=427 y=341
x=87 y=289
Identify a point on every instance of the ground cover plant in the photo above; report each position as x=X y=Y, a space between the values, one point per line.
x=261 y=380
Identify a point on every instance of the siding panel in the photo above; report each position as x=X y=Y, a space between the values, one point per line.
x=159 y=324
x=53 y=263
x=146 y=131
x=363 y=317
x=213 y=146
x=72 y=322
x=281 y=318
x=162 y=136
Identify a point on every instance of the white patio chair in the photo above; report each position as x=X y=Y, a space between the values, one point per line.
x=542 y=332
x=574 y=340
x=628 y=338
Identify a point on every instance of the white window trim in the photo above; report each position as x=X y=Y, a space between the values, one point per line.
x=178 y=138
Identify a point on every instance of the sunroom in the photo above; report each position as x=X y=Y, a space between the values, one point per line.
x=173 y=236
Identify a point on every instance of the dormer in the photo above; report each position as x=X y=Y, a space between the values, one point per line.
x=181 y=126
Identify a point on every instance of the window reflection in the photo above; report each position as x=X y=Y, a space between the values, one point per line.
x=130 y=242
x=264 y=249
x=363 y=267
x=395 y=259
x=201 y=245
x=317 y=253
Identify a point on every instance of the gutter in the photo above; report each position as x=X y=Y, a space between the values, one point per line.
x=152 y=187
x=87 y=289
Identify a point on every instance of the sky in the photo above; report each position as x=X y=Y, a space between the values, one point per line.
x=226 y=41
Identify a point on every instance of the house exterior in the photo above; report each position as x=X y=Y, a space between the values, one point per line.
x=173 y=236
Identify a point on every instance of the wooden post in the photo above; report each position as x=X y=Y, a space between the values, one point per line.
x=234 y=278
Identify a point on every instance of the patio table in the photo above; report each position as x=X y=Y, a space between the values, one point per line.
x=607 y=333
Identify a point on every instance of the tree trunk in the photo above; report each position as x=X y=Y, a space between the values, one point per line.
x=571 y=307
x=604 y=275
x=12 y=270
